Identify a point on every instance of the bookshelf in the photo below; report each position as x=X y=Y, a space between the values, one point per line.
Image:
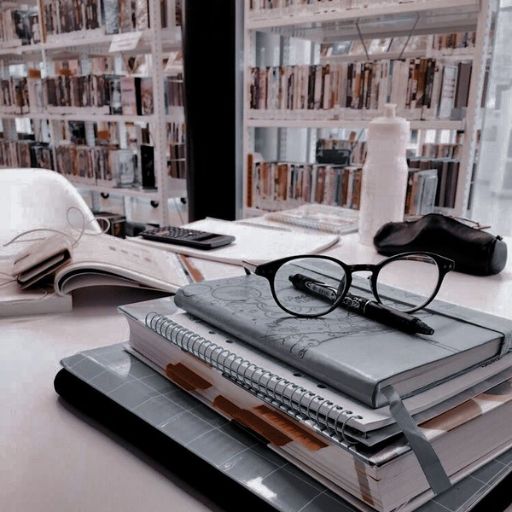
x=150 y=36
x=280 y=41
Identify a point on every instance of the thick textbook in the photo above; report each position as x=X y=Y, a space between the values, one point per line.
x=339 y=349
x=110 y=379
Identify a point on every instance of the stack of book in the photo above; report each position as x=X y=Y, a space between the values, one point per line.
x=384 y=433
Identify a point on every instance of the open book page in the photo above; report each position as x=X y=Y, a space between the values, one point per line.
x=106 y=260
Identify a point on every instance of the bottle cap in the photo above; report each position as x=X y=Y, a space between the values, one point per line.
x=390 y=110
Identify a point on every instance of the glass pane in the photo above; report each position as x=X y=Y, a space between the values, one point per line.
x=421 y=274
x=309 y=286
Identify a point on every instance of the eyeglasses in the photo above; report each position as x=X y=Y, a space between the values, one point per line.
x=312 y=286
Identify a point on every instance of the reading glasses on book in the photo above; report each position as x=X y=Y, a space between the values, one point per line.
x=325 y=281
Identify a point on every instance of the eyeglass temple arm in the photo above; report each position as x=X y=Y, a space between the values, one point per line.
x=249 y=268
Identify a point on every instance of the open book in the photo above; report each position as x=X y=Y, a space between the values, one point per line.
x=108 y=261
x=100 y=260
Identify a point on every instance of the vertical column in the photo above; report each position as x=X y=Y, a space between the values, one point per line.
x=248 y=134
x=158 y=120
x=210 y=86
x=473 y=110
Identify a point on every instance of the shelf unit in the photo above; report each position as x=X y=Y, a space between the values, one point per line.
x=82 y=44
x=319 y=23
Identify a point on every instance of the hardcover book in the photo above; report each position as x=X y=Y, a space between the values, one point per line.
x=335 y=348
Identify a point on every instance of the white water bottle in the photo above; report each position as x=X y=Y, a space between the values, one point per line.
x=384 y=181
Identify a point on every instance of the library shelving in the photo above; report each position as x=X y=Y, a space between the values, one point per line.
x=62 y=40
x=293 y=50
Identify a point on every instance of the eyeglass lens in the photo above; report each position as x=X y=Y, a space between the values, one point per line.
x=417 y=274
x=309 y=286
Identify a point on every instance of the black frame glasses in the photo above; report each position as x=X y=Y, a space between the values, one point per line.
x=270 y=269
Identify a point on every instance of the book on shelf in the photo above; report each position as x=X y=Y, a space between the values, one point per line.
x=176 y=132
x=281 y=403
x=421 y=191
x=130 y=95
x=177 y=166
x=123 y=161
x=14 y=95
x=127 y=95
x=447 y=178
x=24 y=154
x=164 y=410
x=422 y=88
x=64 y=94
x=174 y=93
x=20 y=25
x=280 y=185
x=102 y=165
x=110 y=16
x=146 y=96
x=147 y=166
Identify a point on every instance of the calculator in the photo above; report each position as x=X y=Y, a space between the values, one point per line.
x=188 y=237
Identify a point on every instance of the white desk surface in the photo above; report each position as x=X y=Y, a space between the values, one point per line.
x=51 y=460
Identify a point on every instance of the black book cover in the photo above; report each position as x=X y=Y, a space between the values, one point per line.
x=147 y=166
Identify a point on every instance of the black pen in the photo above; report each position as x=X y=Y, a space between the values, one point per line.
x=365 y=307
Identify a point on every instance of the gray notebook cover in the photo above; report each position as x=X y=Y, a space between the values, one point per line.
x=245 y=459
x=345 y=350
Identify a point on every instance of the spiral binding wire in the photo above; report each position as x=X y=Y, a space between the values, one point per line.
x=329 y=418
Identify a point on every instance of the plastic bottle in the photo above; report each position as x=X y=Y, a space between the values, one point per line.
x=385 y=172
